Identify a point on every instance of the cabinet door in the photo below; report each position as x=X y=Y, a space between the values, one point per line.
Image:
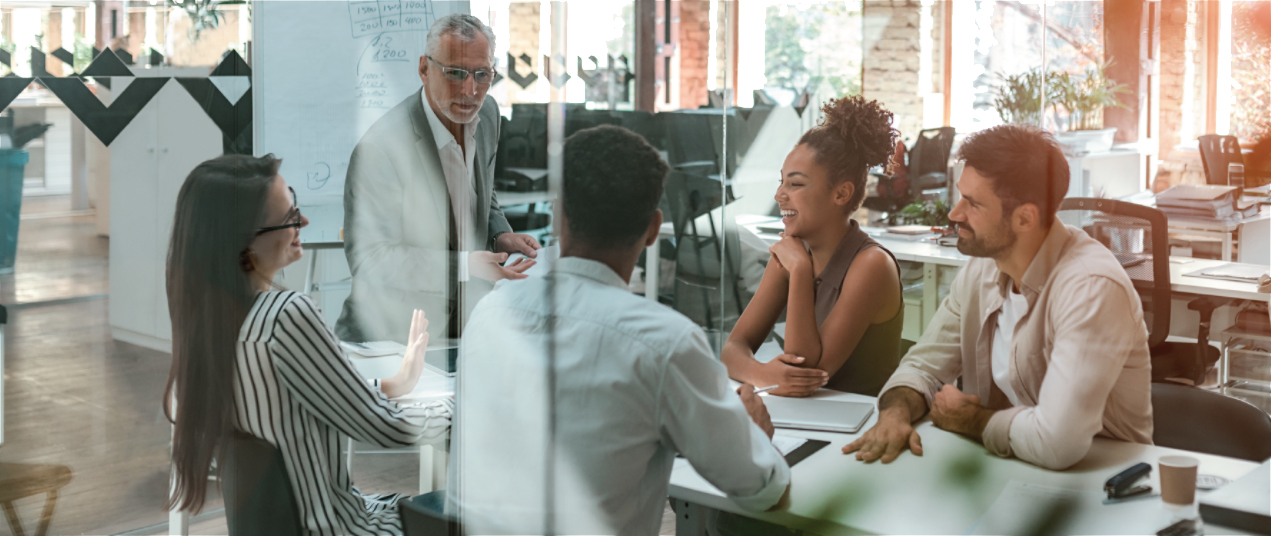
x=136 y=269
x=187 y=137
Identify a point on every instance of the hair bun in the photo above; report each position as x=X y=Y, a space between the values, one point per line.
x=864 y=126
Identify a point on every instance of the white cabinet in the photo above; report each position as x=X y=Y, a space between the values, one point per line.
x=148 y=163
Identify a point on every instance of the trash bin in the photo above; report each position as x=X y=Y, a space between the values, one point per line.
x=12 y=164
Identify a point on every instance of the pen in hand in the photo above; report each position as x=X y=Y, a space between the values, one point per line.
x=765 y=389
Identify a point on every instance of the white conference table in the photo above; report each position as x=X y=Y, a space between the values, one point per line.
x=432 y=386
x=945 y=491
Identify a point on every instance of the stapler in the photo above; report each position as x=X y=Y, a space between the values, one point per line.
x=1125 y=484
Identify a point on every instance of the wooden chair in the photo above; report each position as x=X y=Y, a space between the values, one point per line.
x=20 y=480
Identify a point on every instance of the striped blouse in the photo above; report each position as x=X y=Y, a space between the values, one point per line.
x=295 y=388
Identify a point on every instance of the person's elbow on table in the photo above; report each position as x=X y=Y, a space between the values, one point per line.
x=1018 y=434
x=770 y=495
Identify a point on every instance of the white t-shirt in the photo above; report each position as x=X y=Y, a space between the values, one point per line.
x=1012 y=310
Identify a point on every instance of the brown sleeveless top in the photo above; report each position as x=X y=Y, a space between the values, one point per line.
x=877 y=354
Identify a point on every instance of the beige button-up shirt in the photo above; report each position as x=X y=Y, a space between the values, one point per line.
x=1079 y=359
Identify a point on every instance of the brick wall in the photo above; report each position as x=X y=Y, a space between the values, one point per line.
x=892 y=62
x=523 y=27
x=1173 y=71
x=53 y=41
x=722 y=63
x=694 y=50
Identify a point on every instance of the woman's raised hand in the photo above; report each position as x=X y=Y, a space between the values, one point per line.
x=412 y=367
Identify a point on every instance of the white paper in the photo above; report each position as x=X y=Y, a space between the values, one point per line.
x=1021 y=506
x=786 y=444
x=545 y=259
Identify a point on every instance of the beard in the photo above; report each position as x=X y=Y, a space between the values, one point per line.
x=457 y=117
x=989 y=244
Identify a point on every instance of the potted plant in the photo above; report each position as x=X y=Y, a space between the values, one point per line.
x=13 y=162
x=1083 y=97
x=928 y=213
x=1019 y=98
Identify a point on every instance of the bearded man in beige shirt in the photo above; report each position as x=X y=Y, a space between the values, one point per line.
x=1044 y=326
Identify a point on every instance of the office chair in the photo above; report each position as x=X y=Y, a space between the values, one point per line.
x=929 y=160
x=1216 y=152
x=1137 y=235
x=259 y=500
x=428 y=519
x=646 y=124
x=926 y=168
x=1194 y=419
x=698 y=255
x=690 y=142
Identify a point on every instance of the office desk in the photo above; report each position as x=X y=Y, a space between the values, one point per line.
x=312 y=264
x=432 y=386
x=507 y=199
x=945 y=491
x=1254 y=232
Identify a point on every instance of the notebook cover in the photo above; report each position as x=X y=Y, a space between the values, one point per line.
x=806 y=449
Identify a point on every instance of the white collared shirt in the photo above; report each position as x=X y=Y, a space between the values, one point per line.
x=460 y=172
x=635 y=384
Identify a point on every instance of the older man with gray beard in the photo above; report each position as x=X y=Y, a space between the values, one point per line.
x=422 y=227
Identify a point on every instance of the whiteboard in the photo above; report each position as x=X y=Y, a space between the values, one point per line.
x=323 y=71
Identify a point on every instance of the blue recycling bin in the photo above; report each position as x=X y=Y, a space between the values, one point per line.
x=12 y=164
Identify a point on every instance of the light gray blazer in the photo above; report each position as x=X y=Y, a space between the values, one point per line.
x=398 y=225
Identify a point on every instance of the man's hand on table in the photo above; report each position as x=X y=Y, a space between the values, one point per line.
x=517 y=243
x=755 y=408
x=894 y=431
x=891 y=435
x=960 y=413
x=487 y=265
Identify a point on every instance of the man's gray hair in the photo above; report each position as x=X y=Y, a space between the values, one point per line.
x=461 y=25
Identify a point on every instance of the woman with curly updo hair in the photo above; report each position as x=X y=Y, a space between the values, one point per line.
x=839 y=288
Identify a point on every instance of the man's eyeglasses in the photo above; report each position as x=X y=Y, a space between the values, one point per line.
x=482 y=77
x=293 y=218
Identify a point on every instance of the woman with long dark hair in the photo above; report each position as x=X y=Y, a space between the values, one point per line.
x=251 y=359
x=840 y=289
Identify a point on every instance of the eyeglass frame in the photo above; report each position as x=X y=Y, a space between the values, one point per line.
x=466 y=72
x=295 y=205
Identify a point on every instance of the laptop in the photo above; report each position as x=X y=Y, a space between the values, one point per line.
x=818 y=415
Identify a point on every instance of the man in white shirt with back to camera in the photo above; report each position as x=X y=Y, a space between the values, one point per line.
x=575 y=395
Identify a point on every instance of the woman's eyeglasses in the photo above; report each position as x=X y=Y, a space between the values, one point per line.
x=482 y=77
x=293 y=218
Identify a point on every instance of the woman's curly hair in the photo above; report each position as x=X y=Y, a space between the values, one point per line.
x=853 y=136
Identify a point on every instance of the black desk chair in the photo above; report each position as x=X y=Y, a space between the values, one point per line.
x=929 y=160
x=926 y=170
x=259 y=500
x=1202 y=421
x=1139 y=238
x=698 y=287
x=1216 y=152
x=425 y=516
